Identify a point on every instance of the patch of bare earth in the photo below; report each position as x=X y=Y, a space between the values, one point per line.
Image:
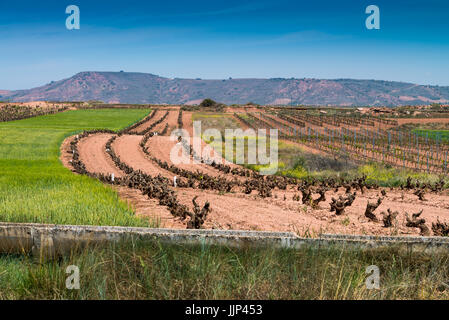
x=209 y=154
x=36 y=104
x=149 y=208
x=161 y=148
x=158 y=114
x=92 y=150
x=250 y=212
x=402 y=121
x=171 y=120
x=66 y=154
x=127 y=147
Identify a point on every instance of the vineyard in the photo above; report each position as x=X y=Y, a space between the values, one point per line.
x=215 y=193
x=125 y=177
x=133 y=157
x=365 y=139
x=16 y=112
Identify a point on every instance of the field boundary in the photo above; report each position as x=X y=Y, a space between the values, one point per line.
x=49 y=241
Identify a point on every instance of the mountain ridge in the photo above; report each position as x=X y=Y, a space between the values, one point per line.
x=147 y=88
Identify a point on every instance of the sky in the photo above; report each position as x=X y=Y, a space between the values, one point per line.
x=221 y=39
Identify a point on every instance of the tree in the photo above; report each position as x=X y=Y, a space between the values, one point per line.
x=207 y=103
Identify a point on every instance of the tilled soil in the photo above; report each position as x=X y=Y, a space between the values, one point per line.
x=161 y=147
x=158 y=114
x=213 y=156
x=243 y=212
x=93 y=154
x=171 y=120
x=402 y=121
x=149 y=208
x=239 y=211
x=127 y=147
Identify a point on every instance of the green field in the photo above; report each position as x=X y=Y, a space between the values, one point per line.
x=34 y=185
x=441 y=135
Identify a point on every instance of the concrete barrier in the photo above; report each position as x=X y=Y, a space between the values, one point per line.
x=49 y=241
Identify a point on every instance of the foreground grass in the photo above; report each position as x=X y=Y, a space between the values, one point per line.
x=35 y=187
x=153 y=271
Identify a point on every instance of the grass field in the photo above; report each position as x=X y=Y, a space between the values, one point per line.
x=154 y=271
x=35 y=187
x=441 y=135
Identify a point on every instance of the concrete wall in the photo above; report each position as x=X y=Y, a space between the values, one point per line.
x=49 y=241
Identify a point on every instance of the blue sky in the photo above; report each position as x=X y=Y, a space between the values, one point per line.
x=221 y=39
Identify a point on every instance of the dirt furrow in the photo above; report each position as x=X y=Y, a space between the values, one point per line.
x=93 y=155
x=161 y=148
x=172 y=121
x=187 y=122
x=127 y=147
x=149 y=208
x=243 y=212
x=158 y=114
x=188 y=126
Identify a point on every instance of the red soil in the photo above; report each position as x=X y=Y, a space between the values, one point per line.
x=188 y=126
x=159 y=114
x=187 y=122
x=149 y=208
x=172 y=120
x=160 y=148
x=93 y=155
x=242 y=212
x=127 y=147
x=423 y=120
x=66 y=154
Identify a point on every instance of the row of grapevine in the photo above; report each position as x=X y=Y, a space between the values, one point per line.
x=400 y=149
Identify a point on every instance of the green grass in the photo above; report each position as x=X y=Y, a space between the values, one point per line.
x=34 y=185
x=154 y=271
x=442 y=135
x=393 y=177
x=219 y=121
x=376 y=173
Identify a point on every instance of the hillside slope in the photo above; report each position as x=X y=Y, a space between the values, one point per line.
x=124 y=87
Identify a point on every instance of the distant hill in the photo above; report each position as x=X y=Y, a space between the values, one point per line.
x=124 y=87
x=4 y=92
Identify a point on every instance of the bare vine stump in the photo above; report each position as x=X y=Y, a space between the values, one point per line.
x=339 y=205
x=389 y=218
x=420 y=194
x=415 y=222
x=370 y=208
x=440 y=229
